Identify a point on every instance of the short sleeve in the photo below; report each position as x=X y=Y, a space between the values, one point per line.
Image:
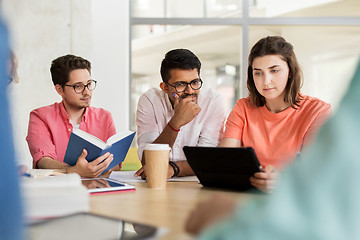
x=39 y=139
x=322 y=115
x=235 y=122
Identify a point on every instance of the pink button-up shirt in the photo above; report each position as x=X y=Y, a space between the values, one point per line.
x=50 y=128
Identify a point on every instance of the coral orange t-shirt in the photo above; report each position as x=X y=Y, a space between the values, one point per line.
x=276 y=137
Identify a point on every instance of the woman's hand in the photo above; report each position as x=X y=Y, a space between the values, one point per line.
x=265 y=181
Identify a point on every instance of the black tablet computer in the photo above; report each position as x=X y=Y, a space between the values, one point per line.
x=221 y=167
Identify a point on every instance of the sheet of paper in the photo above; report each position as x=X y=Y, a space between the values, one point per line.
x=184 y=179
x=125 y=176
x=39 y=173
x=128 y=176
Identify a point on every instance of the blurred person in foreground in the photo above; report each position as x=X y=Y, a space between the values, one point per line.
x=13 y=78
x=317 y=198
x=11 y=224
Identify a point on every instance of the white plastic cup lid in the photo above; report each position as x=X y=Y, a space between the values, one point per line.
x=157 y=147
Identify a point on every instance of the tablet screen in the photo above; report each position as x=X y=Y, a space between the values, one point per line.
x=104 y=184
x=88 y=226
x=100 y=183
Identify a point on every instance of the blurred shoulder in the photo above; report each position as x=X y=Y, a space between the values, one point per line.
x=308 y=101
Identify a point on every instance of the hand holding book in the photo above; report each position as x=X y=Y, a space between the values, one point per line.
x=91 y=169
x=96 y=151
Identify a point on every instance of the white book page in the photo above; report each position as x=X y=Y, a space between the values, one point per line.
x=90 y=138
x=118 y=136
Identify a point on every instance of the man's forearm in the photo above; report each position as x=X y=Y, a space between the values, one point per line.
x=49 y=163
x=185 y=169
x=167 y=136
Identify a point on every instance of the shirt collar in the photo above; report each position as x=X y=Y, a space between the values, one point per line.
x=63 y=111
x=168 y=102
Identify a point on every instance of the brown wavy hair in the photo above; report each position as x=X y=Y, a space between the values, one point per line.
x=275 y=45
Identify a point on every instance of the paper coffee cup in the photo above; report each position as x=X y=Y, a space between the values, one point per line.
x=157 y=164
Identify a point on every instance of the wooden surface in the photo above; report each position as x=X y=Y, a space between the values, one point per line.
x=162 y=208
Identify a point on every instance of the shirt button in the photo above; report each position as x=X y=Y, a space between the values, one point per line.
x=69 y=129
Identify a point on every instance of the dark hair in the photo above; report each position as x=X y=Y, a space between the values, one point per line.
x=62 y=66
x=178 y=59
x=275 y=45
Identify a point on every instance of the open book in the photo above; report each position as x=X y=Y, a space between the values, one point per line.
x=118 y=145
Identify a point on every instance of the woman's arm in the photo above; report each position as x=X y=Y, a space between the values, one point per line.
x=230 y=142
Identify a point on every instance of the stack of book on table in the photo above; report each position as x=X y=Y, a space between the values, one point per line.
x=55 y=196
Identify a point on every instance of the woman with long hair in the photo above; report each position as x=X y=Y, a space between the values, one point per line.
x=275 y=119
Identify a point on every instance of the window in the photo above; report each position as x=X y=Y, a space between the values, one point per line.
x=325 y=35
x=186 y=8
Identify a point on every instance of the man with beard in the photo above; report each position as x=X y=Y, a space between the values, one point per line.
x=178 y=114
x=50 y=126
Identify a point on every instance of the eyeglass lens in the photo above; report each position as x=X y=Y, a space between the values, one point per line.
x=80 y=87
x=195 y=85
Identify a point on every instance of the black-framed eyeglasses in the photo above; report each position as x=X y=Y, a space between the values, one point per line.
x=79 y=87
x=182 y=86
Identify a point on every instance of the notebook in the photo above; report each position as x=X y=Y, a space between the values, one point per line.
x=220 y=167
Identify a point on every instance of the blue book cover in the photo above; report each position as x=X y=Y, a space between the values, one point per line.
x=118 y=145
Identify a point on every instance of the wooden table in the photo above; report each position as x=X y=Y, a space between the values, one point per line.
x=162 y=208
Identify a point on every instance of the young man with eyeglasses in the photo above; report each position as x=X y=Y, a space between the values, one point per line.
x=178 y=114
x=50 y=126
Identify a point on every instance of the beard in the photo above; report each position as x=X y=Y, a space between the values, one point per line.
x=79 y=103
